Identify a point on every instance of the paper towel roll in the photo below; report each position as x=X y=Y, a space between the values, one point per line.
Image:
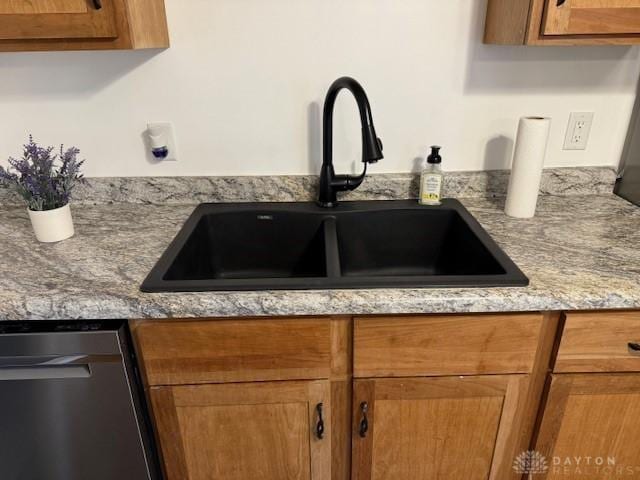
x=526 y=169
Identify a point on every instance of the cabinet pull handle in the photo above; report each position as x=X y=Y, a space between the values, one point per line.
x=364 y=423
x=97 y=4
x=561 y=2
x=634 y=348
x=320 y=424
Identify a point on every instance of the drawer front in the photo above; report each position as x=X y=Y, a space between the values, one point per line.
x=600 y=342
x=175 y=352
x=445 y=345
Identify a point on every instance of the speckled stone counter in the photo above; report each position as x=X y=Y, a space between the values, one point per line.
x=580 y=252
x=302 y=188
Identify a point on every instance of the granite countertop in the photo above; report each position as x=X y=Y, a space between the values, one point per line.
x=580 y=252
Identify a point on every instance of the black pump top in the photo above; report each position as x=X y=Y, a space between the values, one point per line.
x=435 y=155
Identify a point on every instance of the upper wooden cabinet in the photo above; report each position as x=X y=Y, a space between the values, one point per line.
x=24 y=20
x=82 y=24
x=563 y=22
x=589 y=17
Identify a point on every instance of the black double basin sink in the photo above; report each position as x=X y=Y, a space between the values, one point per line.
x=369 y=244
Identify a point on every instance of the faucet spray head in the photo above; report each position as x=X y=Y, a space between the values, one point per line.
x=371 y=145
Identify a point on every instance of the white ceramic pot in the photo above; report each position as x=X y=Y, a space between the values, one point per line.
x=52 y=225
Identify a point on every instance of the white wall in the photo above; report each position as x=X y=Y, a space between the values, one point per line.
x=243 y=79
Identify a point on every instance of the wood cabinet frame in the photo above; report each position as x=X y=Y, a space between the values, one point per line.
x=93 y=23
x=520 y=22
x=130 y=24
x=327 y=346
x=591 y=401
x=232 y=366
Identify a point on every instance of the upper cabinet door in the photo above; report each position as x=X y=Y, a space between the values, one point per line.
x=57 y=19
x=458 y=428
x=242 y=431
x=591 y=17
x=562 y=22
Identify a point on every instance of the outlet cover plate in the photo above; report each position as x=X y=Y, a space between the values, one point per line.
x=578 y=130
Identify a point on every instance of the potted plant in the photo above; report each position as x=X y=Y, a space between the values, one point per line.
x=45 y=181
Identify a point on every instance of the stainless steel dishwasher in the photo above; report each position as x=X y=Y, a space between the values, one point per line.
x=70 y=405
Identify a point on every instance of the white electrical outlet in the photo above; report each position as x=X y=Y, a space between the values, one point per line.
x=578 y=131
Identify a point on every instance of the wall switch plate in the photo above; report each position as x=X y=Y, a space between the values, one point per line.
x=578 y=131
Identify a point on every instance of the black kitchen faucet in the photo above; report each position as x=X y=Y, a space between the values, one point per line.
x=330 y=183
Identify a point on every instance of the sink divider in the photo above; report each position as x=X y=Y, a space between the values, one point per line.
x=332 y=252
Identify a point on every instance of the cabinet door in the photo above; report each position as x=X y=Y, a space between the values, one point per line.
x=458 y=428
x=264 y=431
x=591 y=17
x=591 y=421
x=57 y=19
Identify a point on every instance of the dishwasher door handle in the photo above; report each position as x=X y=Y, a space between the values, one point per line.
x=45 y=372
x=52 y=360
x=41 y=360
x=47 y=367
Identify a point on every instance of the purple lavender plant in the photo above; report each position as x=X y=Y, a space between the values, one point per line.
x=37 y=178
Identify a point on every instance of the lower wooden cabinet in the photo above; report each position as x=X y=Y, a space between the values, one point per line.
x=455 y=397
x=397 y=398
x=458 y=428
x=591 y=427
x=262 y=431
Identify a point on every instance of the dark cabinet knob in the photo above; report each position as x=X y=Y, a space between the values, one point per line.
x=320 y=424
x=97 y=4
x=634 y=348
x=561 y=2
x=364 y=423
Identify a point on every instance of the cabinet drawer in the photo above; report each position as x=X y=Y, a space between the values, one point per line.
x=175 y=352
x=599 y=342
x=445 y=345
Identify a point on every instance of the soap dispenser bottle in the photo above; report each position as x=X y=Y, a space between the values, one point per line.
x=431 y=179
